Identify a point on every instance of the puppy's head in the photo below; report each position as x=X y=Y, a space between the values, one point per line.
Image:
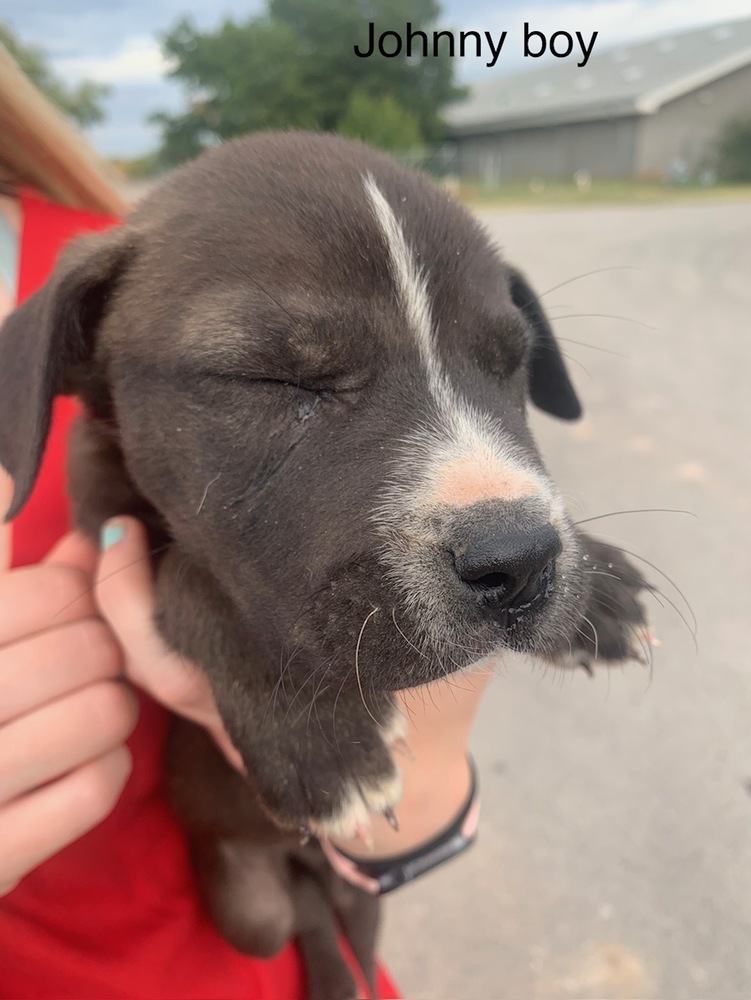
x=316 y=370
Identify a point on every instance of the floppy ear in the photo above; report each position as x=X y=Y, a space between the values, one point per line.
x=42 y=341
x=549 y=384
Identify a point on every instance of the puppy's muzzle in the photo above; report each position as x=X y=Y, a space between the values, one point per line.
x=506 y=571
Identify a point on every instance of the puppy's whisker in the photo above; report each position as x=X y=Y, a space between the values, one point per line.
x=594 y=632
x=606 y=602
x=279 y=685
x=588 y=274
x=453 y=684
x=570 y=648
x=568 y=357
x=404 y=708
x=645 y=648
x=206 y=493
x=609 y=601
x=650 y=653
x=653 y=590
x=308 y=706
x=357 y=668
x=601 y=572
x=591 y=347
x=624 y=319
x=571 y=499
x=637 y=510
x=585 y=636
x=461 y=646
x=314 y=705
x=656 y=594
x=408 y=641
x=298 y=691
x=320 y=668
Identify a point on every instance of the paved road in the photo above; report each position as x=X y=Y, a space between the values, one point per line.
x=615 y=851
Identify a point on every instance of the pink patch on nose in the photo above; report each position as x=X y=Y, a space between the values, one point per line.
x=464 y=481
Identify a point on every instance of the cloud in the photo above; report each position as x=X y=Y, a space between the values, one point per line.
x=138 y=60
x=89 y=28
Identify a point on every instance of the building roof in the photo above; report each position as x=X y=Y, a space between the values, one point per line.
x=628 y=79
x=39 y=147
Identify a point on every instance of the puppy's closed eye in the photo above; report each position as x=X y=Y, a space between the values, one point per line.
x=316 y=387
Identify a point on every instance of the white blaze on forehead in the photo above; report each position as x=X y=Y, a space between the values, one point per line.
x=466 y=457
x=410 y=283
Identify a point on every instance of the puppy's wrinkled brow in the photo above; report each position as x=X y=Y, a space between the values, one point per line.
x=234 y=332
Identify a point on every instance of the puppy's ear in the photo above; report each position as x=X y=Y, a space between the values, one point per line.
x=42 y=341
x=549 y=384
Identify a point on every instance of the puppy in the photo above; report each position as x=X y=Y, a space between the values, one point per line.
x=307 y=370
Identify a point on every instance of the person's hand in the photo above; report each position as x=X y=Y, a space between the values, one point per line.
x=74 y=630
x=64 y=712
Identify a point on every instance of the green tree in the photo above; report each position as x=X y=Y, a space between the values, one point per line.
x=83 y=103
x=734 y=151
x=380 y=121
x=295 y=67
x=239 y=78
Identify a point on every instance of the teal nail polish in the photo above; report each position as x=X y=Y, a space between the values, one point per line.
x=111 y=535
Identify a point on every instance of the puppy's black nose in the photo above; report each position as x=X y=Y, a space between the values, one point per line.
x=508 y=568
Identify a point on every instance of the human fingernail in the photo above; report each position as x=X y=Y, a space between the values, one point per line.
x=111 y=534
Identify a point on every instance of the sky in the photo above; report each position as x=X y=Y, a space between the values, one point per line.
x=116 y=42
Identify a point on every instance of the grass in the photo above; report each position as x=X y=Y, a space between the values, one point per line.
x=550 y=194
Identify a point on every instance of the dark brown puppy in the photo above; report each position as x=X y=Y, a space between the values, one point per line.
x=307 y=370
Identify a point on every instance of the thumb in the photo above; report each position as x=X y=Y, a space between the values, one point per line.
x=125 y=595
x=74 y=550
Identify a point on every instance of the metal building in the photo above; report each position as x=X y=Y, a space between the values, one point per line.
x=642 y=110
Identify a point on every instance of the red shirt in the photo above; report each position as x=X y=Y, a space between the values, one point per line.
x=116 y=914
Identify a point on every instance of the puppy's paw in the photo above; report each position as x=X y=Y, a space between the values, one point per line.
x=332 y=785
x=614 y=626
x=360 y=800
x=369 y=795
